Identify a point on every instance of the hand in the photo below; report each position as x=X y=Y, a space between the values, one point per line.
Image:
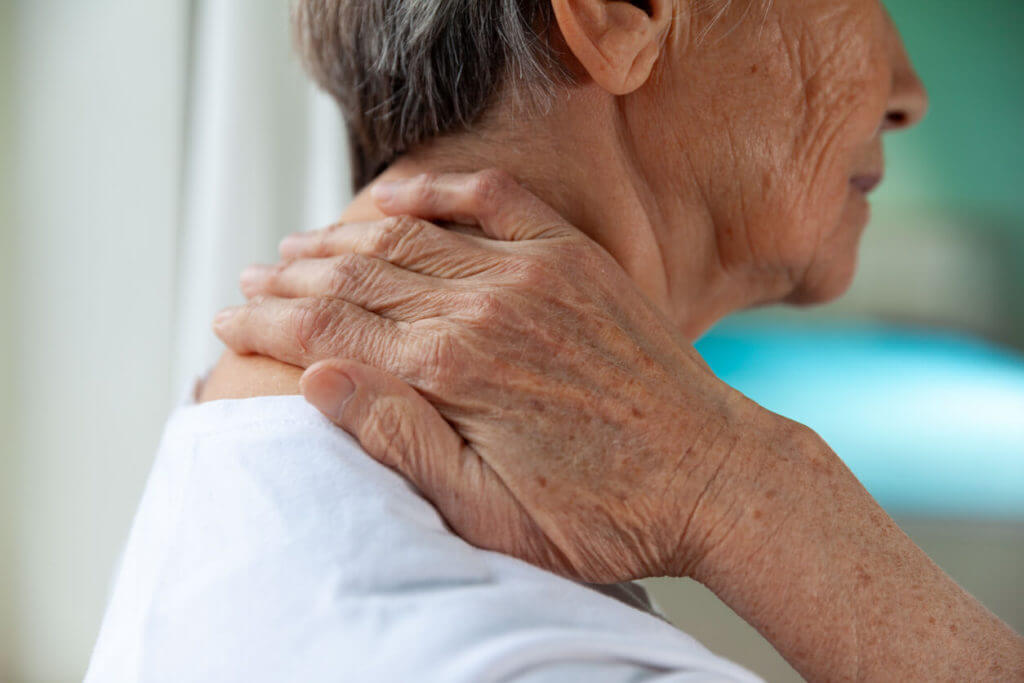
x=551 y=413
x=525 y=386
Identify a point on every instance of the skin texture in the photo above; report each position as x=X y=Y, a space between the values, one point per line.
x=566 y=424
x=540 y=389
x=557 y=305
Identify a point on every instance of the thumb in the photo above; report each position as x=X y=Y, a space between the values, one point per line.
x=401 y=429
x=396 y=426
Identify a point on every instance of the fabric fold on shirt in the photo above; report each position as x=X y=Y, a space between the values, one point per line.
x=268 y=546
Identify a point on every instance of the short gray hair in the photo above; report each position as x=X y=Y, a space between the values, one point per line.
x=406 y=71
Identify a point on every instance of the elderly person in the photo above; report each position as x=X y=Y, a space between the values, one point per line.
x=528 y=367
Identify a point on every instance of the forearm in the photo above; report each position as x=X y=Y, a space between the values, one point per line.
x=807 y=556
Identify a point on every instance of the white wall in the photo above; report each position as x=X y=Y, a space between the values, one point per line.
x=96 y=103
x=156 y=148
x=264 y=157
x=6 y=337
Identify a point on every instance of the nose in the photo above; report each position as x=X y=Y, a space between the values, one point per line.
x=908 y=99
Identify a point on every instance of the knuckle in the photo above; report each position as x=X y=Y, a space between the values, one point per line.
x=250 y=310
x=438 y=364
x=491 y=186
x=276 y=274
x=486 y=306
x=345 y=270
x=311 y=321
x=392 y=234
x=425 y=186
x=322 y=243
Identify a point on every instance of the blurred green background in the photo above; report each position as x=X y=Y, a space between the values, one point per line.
x=967 y=155
x=946 y=244
x=916 y=376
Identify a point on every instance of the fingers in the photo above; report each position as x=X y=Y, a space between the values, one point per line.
x=405 y=241
x=302 y=331
x=393 y=422
x=492 y=199
x=402 y=430
x=372 y=284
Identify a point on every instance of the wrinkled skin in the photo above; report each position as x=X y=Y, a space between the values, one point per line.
x=798 y=103
x=568 y=425
x=541 y=392
x=750 y=197
x=582 y=413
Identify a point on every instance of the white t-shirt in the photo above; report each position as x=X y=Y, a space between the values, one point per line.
x=269 y=546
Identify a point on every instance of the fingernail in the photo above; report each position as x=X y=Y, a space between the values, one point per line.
x=293 y=244
x=384 y=191
x=225 y=315
x=329 y=390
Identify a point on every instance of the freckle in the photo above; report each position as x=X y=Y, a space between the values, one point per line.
x=538 y=405
x=863 y=578
x=637 y=412
x=542 y=482
x=931 y=620
x=757 y=514
x=753 y=69
x=952 y=628
x=770 y=494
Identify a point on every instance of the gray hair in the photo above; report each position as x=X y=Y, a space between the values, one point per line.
x=406 y=71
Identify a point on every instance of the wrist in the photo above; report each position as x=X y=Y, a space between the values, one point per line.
x=760 y=475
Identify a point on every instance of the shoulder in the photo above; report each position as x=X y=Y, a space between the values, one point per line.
x=269 y=546
x=237 y=376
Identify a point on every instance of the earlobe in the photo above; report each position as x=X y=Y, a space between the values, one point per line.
x=616 y=42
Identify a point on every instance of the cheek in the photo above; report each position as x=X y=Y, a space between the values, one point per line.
x=841 y=107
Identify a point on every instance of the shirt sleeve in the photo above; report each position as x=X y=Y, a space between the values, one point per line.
x=269 y=547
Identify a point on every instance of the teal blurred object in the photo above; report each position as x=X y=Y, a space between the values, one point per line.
x=931 y=423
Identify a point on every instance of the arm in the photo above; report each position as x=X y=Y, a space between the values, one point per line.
x=809 y=558
x=669 y=471
x=789 y=539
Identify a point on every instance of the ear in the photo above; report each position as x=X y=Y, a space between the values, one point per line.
x=616 y=42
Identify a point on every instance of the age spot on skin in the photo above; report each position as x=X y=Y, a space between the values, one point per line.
x=863 y=578
x=542 y=481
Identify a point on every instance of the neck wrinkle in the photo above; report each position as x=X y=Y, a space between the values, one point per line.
x=585 y=169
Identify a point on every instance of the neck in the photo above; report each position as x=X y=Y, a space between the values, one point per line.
x=582 y=166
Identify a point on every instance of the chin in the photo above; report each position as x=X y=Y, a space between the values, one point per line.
x=833 y=268
x=827 y=288
x=831 y=274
